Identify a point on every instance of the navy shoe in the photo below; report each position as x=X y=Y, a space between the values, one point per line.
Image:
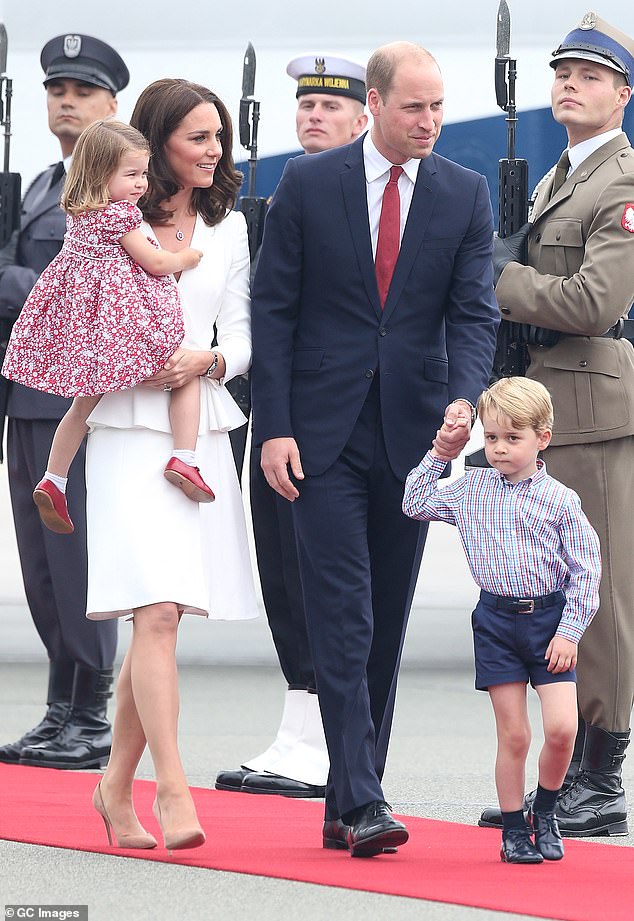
x=517 y=847
x=547 y=837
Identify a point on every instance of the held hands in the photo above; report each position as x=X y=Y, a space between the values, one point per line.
x=277 y=455
x=455 y=431
x=562 y=655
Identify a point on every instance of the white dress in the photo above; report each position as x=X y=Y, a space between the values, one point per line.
x=147 y=542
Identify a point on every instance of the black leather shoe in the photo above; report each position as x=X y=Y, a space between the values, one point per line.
x=491 y=817
x=83 y=744
x=52 y=724
x=335 y=837
x=85 y=739
x=373 y=829
x=231 y=780
x=282 y=786
x=547 y=838
x=594 y=805
x=517 y=847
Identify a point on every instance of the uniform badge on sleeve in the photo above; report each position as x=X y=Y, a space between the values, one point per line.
x=627 y=221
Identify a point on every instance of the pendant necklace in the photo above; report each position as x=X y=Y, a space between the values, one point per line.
x=180 y=236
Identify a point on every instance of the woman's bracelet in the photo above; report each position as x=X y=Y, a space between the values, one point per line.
x=212 y=367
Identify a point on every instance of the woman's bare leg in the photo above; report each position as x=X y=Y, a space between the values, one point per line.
x=128 y=743
x=154 y=682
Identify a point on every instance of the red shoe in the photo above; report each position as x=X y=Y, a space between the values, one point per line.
x=189 y=480
x=51 y=504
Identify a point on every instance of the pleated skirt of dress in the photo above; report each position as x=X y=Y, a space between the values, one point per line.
x=149 y=543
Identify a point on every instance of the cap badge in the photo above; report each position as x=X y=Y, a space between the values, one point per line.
x=320 y=66
x=627 y=221
x=72 y=46
x=589 y=21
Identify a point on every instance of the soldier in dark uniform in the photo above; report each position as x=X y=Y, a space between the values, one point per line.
x=330 y=113
x=82 y=77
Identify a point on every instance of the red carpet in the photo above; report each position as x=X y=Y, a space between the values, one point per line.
x=277 y=837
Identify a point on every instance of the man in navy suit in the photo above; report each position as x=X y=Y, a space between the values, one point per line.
x=351 y=378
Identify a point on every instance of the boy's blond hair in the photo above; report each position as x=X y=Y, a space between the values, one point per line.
x=96 y=158
x=525 y=402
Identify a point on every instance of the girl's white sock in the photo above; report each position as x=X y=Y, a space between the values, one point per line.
x=187 y=457
x=59 y=481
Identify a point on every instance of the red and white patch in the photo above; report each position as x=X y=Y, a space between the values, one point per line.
x=627 y=221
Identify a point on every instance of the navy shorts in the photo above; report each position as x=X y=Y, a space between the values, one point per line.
x=510 y=647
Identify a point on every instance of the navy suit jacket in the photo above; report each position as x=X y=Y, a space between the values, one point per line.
x=319 y=333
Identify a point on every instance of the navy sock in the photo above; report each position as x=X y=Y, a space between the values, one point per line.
x=545 y=799
x=513 y=820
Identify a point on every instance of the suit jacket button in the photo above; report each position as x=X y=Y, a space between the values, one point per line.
x=557 y=236
x=369 y=373
x=538 y=237
x=583 y=364
x=504 y=310
x=382 y=331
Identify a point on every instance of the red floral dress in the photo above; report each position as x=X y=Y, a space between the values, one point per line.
x=95 y=321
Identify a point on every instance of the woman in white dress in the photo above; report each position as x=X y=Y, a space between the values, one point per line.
x=152 y=552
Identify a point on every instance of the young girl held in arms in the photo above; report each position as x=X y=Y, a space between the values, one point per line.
x=96 y=321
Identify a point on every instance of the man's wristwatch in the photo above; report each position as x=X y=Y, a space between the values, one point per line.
x=212 y=367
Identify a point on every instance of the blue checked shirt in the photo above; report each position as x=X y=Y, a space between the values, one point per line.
x=521 y=540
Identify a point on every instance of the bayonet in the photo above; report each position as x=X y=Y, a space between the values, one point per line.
x=503 y=34
x=248 y=73
x=3 y=50
x=253 y=208
x=502 y=54
x=248 y=89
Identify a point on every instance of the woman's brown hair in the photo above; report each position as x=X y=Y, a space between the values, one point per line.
x=96 y=157
x=159 y=110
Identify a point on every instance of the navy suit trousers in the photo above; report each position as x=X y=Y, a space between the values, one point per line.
x=359 y=560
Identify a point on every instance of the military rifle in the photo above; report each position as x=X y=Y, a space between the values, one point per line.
x=10 y=201
x=510 y=355
x=252 y=206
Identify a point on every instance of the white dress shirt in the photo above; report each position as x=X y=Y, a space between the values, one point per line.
x=377 y=174
x=582 y=151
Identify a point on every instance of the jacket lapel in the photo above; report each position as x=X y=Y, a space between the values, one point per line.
x=356 y=205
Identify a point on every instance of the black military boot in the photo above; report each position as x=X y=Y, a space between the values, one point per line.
x=58 y=698
x=85 y=739
x=491 y=817
x=595 y=803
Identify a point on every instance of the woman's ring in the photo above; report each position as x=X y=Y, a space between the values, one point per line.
x=166 y=388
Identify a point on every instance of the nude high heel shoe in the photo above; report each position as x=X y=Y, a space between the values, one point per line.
x=182 y=839
x=144 y=841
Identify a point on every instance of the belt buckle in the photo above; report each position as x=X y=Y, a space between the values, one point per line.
x=525 y=605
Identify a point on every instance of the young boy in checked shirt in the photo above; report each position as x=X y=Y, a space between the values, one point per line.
x=536 y=559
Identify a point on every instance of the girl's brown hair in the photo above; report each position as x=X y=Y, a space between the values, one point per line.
x=96 y=156
x=159 y=110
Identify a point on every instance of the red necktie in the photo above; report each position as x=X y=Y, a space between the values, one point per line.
x=389 y=239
